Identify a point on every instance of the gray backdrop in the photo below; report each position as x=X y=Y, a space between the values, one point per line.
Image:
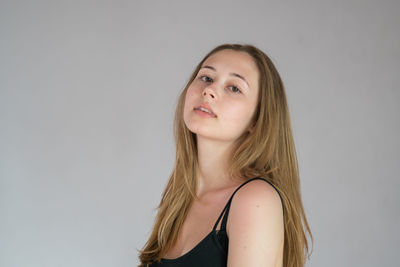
x=87 y=95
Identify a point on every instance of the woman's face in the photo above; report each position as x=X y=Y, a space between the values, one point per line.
x=232 y=99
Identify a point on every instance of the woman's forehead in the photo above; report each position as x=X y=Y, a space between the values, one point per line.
x=231 y=61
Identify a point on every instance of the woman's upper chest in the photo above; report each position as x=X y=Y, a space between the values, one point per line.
x=198 y=223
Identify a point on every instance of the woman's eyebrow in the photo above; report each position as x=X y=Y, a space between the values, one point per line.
x=233 y=74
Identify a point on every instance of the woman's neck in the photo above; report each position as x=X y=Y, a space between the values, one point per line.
x=213 y=158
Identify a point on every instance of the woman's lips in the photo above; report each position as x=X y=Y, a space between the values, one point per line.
x=205 y=105
x=204 y=113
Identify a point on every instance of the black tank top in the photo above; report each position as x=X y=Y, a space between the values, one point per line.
x=212 y=251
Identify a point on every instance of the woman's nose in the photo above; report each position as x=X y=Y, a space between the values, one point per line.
x=209 y=91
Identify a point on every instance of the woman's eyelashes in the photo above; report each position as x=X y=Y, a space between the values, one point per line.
x=208 y=79
x=204 y=76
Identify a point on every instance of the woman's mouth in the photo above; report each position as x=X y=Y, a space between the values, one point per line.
x=205 y=108
x=204 y=112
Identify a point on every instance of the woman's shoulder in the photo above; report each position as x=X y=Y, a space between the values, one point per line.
x=255 y=225
x=255 y=191
x=256 y=200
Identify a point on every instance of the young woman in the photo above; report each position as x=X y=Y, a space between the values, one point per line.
x=235 y=156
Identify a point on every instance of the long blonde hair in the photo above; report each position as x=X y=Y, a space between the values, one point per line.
x=268 y=152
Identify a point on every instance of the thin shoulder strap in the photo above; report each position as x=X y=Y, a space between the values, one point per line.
x=228 y=205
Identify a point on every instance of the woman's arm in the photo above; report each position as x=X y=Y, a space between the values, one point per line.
x=255 y=226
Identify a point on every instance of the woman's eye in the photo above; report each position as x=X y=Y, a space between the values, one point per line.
x=204 y=76
x=236 y=89
x=206 y=79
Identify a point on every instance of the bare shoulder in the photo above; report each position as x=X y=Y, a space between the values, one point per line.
x=255 y=225
x=256 y=194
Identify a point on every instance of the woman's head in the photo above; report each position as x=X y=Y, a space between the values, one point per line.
x=243 y=88
x=228 y=83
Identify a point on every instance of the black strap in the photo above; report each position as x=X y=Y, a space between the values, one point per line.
x=228 y=205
